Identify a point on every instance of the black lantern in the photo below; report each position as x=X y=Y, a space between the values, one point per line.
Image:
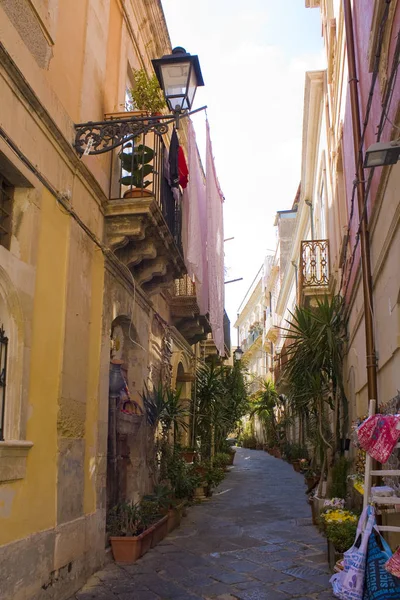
x=179 y=75
x=238 y=353
x=3 y=371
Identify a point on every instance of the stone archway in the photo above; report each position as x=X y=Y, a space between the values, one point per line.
x=127 y=477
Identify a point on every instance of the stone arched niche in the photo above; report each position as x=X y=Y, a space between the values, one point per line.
x=126 y=346
x=12 y=320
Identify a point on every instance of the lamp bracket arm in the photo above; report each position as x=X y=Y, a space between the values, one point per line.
x=98 y=137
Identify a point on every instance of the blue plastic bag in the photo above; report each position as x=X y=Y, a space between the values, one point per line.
x=379 y=584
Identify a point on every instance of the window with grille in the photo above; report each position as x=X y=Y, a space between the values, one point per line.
x=6 y=199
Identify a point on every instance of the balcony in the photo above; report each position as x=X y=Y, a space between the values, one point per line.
x=314 y=270
x=209 y=350
x=254 y=338
x=272 y=323
x=143 y=218
x=185 y=311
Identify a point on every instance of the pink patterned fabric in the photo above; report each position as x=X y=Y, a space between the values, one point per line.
x=194 y=233
x=215 y=248
x=378 y=435
x=393 y=564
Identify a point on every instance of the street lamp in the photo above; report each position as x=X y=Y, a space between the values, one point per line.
x=179 y=75
x=381 y=154
x=238 y=353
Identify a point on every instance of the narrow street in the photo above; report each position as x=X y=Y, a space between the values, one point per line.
x=254 y=540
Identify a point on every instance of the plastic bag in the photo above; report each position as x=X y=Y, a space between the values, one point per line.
x=379 y=583
x=378 y=435
x=349 y=583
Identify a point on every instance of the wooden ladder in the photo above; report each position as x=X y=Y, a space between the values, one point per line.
x=369 y=473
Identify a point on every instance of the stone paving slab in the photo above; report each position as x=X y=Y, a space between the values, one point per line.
x=253 y=540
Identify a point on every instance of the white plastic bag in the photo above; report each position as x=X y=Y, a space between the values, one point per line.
x=349 y=583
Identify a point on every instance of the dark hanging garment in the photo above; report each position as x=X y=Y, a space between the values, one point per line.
x=173 y=160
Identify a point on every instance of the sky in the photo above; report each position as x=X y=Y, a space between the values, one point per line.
x=253 y=56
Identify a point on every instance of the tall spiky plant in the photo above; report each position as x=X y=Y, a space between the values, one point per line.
x=314 y=371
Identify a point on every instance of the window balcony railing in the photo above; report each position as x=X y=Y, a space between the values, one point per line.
x=184 y=287
x=314 y=265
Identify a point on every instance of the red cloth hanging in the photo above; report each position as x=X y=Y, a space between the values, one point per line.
x=378 y=435
x=182 y=168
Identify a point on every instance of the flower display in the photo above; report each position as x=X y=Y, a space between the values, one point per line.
x=338 y=515
x=334 y=503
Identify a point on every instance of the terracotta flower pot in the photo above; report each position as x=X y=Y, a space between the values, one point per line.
x=129 y=548
x=175 y=515
x=137 y=193
x=160 y=531
x=188 y=456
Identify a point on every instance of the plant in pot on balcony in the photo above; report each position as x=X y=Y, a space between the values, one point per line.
x=136 y=161
x=146 y=93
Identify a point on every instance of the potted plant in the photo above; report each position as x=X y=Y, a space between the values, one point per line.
x=146 y=93
x=130 y=537
x=188 y=454
x=340 y=527
x=147 y=99
x=137 y=163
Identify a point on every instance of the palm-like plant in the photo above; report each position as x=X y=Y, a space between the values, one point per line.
x=265 y=402
x=314 y=370
x=165 y=407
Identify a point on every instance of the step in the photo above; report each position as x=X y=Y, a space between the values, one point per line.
x=386 y=472
x=388 y=528
x=385 y=499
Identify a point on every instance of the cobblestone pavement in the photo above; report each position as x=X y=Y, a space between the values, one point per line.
x=253 y=540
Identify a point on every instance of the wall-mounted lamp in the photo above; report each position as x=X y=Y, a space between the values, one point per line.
x=238 y=353
x=381 y=154
x=179 y=75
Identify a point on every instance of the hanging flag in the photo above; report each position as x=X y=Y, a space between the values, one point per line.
x=215 y=248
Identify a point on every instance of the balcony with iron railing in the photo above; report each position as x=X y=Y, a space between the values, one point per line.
x=185 y=312
x=143 y=216
x=314 y=269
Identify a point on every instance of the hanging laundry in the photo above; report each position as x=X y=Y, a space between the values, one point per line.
x=378 y=435
x=182 y=168
x=194 y=230
x=215 y=248
x=173 y=160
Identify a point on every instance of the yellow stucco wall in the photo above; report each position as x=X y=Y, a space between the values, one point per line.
x=32 y=500
x=92 y=404
x=29 y=505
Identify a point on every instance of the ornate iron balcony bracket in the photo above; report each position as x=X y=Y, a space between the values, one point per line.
x=98 y=137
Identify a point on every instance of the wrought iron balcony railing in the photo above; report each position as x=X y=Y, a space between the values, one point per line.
x=314 y=265
x=137 y=171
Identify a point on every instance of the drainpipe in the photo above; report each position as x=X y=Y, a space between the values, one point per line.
x=364 y=233
x=310 y=205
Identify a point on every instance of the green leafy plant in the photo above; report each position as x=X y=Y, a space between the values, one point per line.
x=221 y=459
x=313 y=375
x=146 y=93
x=137 y=164
x=125 y=519
x=341 y=535
x=162 y=496
x=340 y=470
x=150 y=511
